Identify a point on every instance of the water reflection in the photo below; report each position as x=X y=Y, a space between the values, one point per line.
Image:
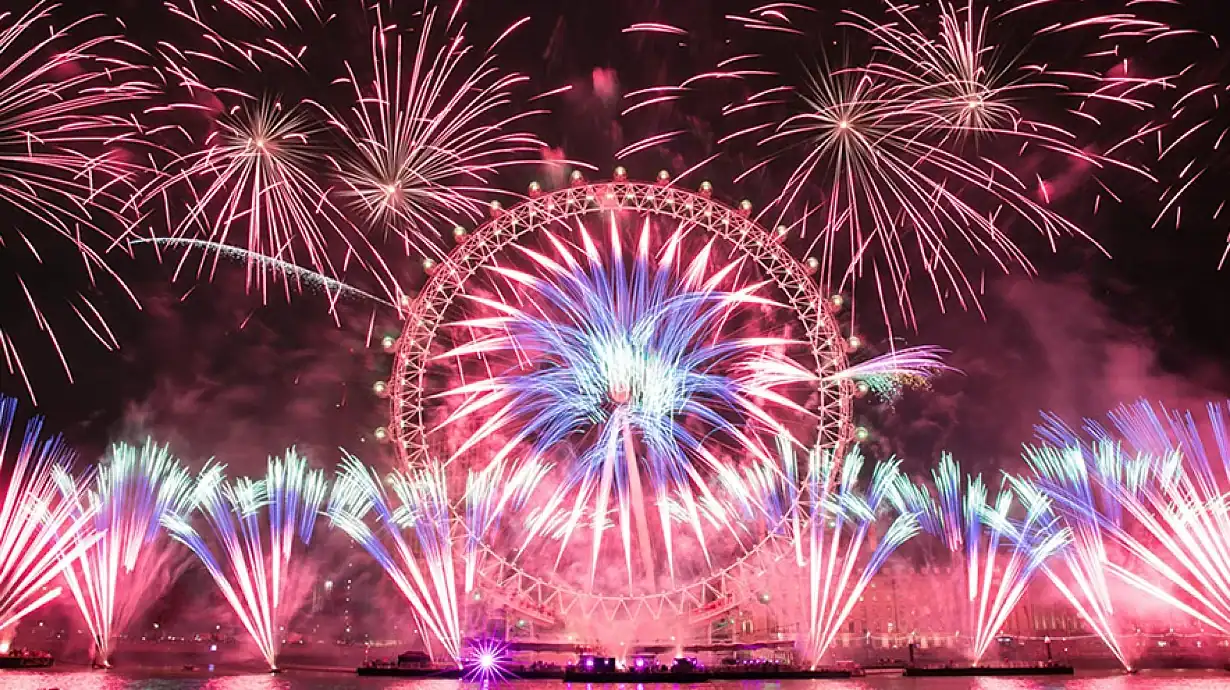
x=127 y=680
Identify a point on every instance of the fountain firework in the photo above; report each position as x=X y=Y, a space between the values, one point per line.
x=1166 y=508
x=40 y=532
x=255 y=524
x=126 y=566
x=840 y=553
x=1078 y=490
x=999 y=554
x=423 y=567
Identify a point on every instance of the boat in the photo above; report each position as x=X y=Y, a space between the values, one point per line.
x=393 y=670
x=1036 y=670
x=37 y=660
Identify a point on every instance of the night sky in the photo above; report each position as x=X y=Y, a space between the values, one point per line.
x=218 y=373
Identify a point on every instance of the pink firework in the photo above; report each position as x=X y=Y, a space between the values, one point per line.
x=251 y=189
x=657 y=364
x=910 y=165
x=433 y=120
x=64 y=90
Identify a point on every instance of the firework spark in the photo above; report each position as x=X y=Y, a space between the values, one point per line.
x=423 y=567
x=255 y=524
x=63 y=166
x=40 y=532
x=126 y=565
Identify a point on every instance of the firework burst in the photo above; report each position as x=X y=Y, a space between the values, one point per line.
x=256 y=176
x=411 y=538
x=127 y=565
x=903 y=158
x=432 y=122
x=63 y=165
x=255 y=524
x=631 y=354
x=40 y=532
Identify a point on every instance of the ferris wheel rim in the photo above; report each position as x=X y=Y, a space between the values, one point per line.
x=426 y=313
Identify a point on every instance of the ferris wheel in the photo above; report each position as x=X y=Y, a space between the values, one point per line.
x=605 y=371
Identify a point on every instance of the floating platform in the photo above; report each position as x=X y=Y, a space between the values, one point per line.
x=573 y=674
x=454 y=673
x=704 y=675
x=937 y=671
x=409 y=672
x=14 y=661
x=576 y=675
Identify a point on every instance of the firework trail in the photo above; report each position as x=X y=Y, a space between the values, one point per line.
x=433 y=120
x=840 y=552
x=303 y=276
x=126 y=564
x=255 y=524
x=64 y=90
x=1000 y=554
x=40 y=532
x=422 y=566
x=628 y=353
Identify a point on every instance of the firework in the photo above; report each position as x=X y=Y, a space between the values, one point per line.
x=1170 y=518
x=432 y=122
x=422 y=567
x=63 y=167
x=487 y=661
x=127 y=565
x=882 y=153
x=254 y=175
x=255 y=524
x=1000 y=554
x=1081 y=571
x=40 y=532
x=841 y=555
x=628 y=354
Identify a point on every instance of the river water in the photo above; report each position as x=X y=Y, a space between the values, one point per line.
x=122 y=680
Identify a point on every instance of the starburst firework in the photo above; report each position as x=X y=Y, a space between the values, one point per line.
x=633 y=356
x=433 y=120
